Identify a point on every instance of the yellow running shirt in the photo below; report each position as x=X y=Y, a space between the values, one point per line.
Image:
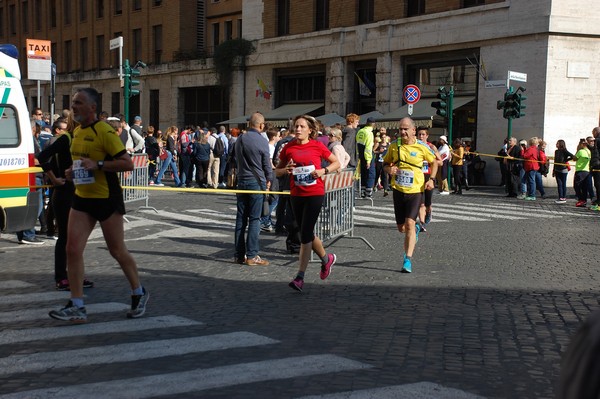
x=98 y=142
x=409 y=160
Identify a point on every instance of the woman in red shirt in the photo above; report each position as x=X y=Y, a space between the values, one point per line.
x=301 y=160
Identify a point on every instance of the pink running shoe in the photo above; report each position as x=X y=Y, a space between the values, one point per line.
x=326 y=268
x=297 y=284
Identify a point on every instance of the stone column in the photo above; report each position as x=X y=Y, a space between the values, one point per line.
x=385 y=96
x=335 y=101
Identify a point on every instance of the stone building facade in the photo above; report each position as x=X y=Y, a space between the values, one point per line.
x=321 y=53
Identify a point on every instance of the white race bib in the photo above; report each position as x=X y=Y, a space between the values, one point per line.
x=405 y=178
x=82 y=176
x=303 y=175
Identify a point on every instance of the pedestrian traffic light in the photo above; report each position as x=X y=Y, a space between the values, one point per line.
x=442 y=105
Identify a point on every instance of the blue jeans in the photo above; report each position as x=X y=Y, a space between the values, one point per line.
x=531 y=178
x=165 y=165
x=561 y=183
x=249 y=209
x=523 y=184
x=539 y=184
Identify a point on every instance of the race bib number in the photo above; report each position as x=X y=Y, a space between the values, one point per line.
x=405 y=178
x=82 y=176
x=303 y=175
x=425 y=167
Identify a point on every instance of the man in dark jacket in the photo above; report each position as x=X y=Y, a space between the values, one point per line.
x=255 y=173
x=513 y=166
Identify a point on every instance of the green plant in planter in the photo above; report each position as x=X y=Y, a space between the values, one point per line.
x=229 y=55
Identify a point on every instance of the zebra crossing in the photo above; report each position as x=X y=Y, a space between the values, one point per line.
x=468 y=212
x=44 y=358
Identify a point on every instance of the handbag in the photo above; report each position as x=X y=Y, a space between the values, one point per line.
x=163 y=154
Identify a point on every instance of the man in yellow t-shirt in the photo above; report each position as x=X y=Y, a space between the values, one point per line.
x=404 y=161
x=98 y=155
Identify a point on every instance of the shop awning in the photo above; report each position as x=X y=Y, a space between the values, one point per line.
x=423 y=112
x=331 y=119
x=373 y=114
x=235 y=121
x=280 y=116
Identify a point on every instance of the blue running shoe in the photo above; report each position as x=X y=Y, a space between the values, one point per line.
x=418 y=230
x=406 y=266
x=427 y=217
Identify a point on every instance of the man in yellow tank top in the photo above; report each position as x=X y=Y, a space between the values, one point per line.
x=98 y=155
x=404 y=161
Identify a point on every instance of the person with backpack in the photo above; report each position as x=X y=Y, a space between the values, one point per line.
x=201 y=158
x=224 y=153
x=185 y=151
x=153 y=150
x=217 y=149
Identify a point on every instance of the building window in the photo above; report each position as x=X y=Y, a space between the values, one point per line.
x=54 y=49
x=366 y=11
x=100 y=51
x=38 y=15
x=137 y=45
x=157 y=3
x=1 y=21
x=68 y=56
x=83 y=53
x=137 y=5
x=67 y=11
x=52 y=7
x=115 y=102
x=239 y=28
x=24 y=17
x=228 y=30
x=157 y=41
x=301 y=88
x=99 y=8
x=66 y=101
x=154 y=109
x=82 y=10
x=12 y=17
x=415 y=7
x=215 y=32
x=322 y=15
x=118 y=7
x=208 y=103
x=283 y=17
x=473 y=3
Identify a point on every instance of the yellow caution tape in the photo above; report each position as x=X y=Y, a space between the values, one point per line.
x=32 y=169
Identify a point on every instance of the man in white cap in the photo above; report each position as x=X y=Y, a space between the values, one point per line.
x=442 y=175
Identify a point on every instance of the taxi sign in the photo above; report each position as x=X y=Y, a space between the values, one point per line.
x=412 y=94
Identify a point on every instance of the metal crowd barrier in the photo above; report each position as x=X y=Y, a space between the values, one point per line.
x=138 y=177
x=336 y=219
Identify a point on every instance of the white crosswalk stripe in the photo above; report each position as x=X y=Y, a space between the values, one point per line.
x=33 y=334
x=186 y=382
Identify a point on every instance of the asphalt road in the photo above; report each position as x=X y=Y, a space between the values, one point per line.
x=498 y=287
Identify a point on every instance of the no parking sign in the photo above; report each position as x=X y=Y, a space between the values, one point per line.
x=411 y=94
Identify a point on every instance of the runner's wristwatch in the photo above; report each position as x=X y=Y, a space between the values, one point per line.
x=100 y=165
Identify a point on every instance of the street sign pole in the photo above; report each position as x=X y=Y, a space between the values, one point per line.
x=450 y=109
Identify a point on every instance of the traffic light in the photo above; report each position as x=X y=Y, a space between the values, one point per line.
x=513 y=105
x=442 y=105
x=134 y=72
x=520 y=105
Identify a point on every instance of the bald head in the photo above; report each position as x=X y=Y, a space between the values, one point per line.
x=257 y=121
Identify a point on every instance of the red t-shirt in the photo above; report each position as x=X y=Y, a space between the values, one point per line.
x=307 y=158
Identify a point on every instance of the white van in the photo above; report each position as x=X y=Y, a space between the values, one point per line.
x=18 y=201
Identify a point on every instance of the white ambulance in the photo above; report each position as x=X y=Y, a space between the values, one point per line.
x=18 y=201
